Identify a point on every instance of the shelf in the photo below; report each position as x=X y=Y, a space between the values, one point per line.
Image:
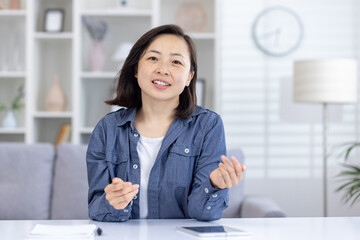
x=110 y=75
x=117 y=12
x=46 y=35
x=205 y=36
x=86 y=130
x=13 y=13
x=53 y=114
x=67 y=54
x=12 y=74
x=12 y=131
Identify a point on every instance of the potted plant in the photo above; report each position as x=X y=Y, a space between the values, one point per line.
x=350 y=176
x=10 y=120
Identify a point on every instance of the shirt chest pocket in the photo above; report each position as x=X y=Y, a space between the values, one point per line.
x=118 y=164
x=180 y=164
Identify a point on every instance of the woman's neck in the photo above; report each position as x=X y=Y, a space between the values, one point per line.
x=154 y=120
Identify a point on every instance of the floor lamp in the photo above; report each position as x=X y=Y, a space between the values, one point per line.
x=332 y=81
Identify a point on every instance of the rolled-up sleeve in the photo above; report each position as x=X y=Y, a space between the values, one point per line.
x=205 y=202
x=99 y=176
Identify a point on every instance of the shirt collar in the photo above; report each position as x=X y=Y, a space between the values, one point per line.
x=128 y=115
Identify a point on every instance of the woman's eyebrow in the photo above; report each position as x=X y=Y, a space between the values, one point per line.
x=177 y=54
x=154 y=51
x=172 y=54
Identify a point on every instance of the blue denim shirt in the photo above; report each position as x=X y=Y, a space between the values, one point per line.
x=179 y=184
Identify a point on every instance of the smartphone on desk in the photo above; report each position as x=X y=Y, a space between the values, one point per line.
x=214 y=231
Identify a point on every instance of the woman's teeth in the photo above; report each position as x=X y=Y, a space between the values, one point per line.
x=161 y=83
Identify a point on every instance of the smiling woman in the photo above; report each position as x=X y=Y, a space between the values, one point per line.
x=164 y=71
x=162 y=156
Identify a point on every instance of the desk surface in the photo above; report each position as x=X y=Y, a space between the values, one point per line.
x=340 y=228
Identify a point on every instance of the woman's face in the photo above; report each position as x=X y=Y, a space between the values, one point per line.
x=164 y=69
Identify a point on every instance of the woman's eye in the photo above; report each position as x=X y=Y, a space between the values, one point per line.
x=152 y=58
x=177 y=62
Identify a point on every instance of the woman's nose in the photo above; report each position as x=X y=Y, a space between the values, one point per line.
x=162 y=69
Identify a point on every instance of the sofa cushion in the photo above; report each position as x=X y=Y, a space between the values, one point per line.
x=25 y=180
x=69 y=199
x=236 y=193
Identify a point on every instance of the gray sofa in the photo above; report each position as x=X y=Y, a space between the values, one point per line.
x=40 y=182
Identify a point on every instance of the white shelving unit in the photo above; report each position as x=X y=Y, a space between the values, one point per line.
x=66 y=54
x=63 y=35
x=12 y=67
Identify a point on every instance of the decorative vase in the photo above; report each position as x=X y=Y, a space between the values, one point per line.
x=14 y=4
x=10 y=120
x=97 y=57
x=55 y=99
x=3 y=4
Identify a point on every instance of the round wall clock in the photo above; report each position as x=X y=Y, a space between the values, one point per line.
x=277 y=31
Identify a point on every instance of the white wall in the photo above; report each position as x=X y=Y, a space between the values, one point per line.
x=282 y=141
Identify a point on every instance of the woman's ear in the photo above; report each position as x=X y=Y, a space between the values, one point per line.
x=191 y=75
x=136 y=72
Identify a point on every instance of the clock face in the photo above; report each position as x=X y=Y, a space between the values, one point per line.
x=277 y=31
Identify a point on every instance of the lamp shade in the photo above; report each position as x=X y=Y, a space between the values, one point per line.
x=325 y=81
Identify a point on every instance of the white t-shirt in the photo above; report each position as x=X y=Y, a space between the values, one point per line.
x=147 y=149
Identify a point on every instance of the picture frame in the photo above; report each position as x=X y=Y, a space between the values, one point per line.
x=54 y=20
x=200 y=92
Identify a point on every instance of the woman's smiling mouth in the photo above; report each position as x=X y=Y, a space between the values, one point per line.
x=161 y=84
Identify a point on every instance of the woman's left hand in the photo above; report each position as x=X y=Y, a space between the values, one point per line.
x=228 y=173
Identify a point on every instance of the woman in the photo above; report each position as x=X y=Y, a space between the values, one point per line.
x=160 y=156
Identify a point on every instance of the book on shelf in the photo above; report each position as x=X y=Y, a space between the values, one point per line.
x=63 y=134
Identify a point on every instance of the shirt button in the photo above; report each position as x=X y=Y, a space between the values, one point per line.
x=136 y=134
x=206 y=190
x=135 y=197
x=125 y=210
x=135 y=166
x=187 y=150
x=214 y=195
x=208 y=208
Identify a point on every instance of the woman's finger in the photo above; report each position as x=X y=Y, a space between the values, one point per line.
x=123 y=201
x=231 y=171
x=116 y=185
x=237 y=168
x=125 y=191
x=225 y=175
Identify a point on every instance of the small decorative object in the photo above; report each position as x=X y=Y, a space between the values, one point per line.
x=97 y=31
x=10 y=120
x=122 y=3
x=63 y=134
x=3 y=4
x=122 y=52
x=55 y=99
x=191 y=17
x=54 y=20
x=14 y=4
x=97 y=57
x=277 y=31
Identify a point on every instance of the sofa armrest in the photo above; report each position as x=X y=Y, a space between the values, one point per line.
x=260 y=207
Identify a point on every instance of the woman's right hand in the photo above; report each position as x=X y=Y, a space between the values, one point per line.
x=119 y=193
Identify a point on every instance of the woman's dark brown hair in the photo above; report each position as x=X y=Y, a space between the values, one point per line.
x=128 y=92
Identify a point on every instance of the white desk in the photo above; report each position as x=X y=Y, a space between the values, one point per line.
x=341 y=228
